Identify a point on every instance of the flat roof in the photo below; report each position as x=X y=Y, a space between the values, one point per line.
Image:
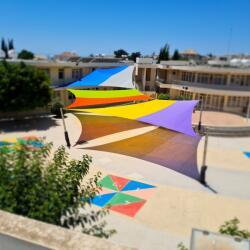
x=211 y=69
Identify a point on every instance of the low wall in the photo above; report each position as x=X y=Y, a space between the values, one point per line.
x=41 y=235
x=21 y=114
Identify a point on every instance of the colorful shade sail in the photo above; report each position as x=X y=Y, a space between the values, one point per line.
x=115 y=77
x=95 y=126
x=164 y=147
x=87 y=98
x=174 y=115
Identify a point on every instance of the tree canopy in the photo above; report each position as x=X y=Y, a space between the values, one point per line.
x=26 y=55
x=120 y=52
x=23 y=87
x=134 y=55
x=164 y=53
x=51 y=190
x=176 y=55
x=5 y=47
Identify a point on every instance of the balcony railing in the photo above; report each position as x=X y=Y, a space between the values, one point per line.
x=210 y=86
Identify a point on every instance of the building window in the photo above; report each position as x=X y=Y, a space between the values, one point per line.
x=148 y=72
x=61 y=74
x=237 y=101
x=219 y=79
x=76 y=73
x=238 y=80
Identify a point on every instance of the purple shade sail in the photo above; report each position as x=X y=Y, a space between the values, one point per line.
x=177 y=117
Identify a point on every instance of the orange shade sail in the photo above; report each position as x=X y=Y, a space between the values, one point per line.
x=86 y=102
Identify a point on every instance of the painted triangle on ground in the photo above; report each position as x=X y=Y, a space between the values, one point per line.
x=105 y=191
x=136 y=185
x=128 y=209
x=120 y=182
x=122 y=198
x=107 y=182
x=141 y=193
x=247 y=154
x=101 y=200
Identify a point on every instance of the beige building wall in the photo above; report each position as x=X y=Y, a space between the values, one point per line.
x=223 y=91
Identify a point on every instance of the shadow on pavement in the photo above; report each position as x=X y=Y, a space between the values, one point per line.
x=28 y=123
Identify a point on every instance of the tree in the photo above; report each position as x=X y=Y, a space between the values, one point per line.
x=26 y=55
x=4 y=48
x=164 y=53
x=176 y=55
x=120 y=52
x=11 y=44
x=23 y=87
x=52 y=191
x=134 y=55
x=231 y=227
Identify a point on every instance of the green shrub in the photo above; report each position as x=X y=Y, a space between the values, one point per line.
x=55 y=109
x=164 y=96
x=231 y=227
x=50 y=190
x=23 y=87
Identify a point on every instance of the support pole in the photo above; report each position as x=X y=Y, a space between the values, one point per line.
x=203 y=166
x=201 y=110
x=65 y=131
x=248 y=110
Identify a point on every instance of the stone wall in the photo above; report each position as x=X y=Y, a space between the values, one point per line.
x=51 y=236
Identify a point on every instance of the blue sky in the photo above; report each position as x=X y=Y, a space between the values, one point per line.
x=101 y=26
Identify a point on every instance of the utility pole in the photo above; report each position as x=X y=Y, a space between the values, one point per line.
x=65 y=131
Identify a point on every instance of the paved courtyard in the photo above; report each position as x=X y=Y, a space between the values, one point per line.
x=213 y=118
x=178 y=203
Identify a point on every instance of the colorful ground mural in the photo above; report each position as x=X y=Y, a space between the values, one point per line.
x=247 y=154
x=31 y=142
x=123 y=195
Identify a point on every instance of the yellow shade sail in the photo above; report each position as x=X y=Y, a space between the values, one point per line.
x=134 y=111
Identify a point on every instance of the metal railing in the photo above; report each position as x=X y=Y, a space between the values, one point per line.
x=210 y=86
x=224 y=131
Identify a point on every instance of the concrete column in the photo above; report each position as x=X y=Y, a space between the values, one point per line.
x=152 y=78
x=195 y=77
x=228 y=79
x=67 y=74
x=193 y=96
x=144 y=79
x=54 y=74
x=225 y=102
